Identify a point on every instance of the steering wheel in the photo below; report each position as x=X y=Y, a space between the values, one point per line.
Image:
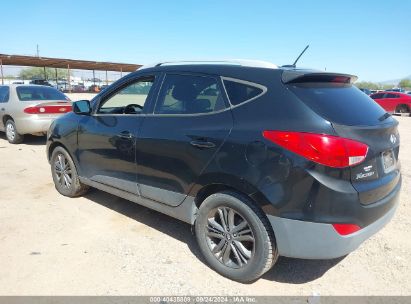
x=131 y=108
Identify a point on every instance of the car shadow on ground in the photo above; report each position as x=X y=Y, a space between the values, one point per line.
x=286 y=270
x=29 y=140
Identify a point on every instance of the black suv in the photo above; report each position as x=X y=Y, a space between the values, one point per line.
x=264 y=161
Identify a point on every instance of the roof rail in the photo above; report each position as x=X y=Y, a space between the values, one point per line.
x=240 y=62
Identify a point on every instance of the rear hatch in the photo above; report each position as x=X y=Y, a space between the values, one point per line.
x=356 y=116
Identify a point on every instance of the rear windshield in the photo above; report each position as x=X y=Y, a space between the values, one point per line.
x=29 y=93
x=339 y=103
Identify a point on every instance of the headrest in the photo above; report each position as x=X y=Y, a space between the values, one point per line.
x=184 y=92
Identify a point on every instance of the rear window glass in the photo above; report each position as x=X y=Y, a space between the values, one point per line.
x=29 y=93
x=339 y=103
x=240 y=92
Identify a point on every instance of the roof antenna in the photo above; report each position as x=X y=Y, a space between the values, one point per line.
x=298 y=58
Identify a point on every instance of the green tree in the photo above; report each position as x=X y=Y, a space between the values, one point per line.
x=38 y=73
x=372 y=85
x=405 y=84
x=368 y=85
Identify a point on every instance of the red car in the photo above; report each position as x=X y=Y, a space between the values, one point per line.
x=393 y=102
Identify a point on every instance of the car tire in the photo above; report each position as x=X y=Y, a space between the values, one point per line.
x=252 y=250
x=403 y=109
x=64 y=172
x=11 y=133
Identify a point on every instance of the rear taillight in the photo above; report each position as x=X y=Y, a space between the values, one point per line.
x=328 y=150
x=47 y=109
x=346 y=229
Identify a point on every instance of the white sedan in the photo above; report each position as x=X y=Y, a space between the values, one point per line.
x=29 y=109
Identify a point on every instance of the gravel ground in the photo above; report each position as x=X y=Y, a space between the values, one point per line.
x=103 y=245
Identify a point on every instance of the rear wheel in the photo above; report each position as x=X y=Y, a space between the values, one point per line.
x=402 y=109
x=11 y=133
x=65 y=175
x=235 y=237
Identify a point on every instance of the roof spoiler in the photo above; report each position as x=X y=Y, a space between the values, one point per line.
x=304 y=76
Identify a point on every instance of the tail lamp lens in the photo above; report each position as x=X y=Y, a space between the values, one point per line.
x=47 y=109
x=328 y=150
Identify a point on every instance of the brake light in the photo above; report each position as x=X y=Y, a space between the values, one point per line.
x=341 y=79
x=328 y=150
x=47 y=109
x=346 y=229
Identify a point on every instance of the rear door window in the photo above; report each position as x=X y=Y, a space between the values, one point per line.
x=340 y=103
x=4 y=94
x=189 y=94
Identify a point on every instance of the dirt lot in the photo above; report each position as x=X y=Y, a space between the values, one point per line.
x=103 y=245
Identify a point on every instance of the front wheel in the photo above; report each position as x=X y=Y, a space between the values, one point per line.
x=235 y=237
x=65 y=177
x=11 y=133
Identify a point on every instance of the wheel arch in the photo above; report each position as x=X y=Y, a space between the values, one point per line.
x=402 y=105
x=56 y=144
x=6 y=117
x=219 y=182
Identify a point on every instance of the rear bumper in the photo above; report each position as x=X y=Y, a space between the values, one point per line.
x=309 y=240
x=33 y=124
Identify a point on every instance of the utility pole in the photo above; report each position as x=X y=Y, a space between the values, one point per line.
x=38 y=52
x=68 y=76
x=1 y=67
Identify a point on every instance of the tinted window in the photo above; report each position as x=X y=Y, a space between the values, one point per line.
x=4 y=94
x=390 y=95
x=339 y=103
x=128 y=100
x=240 y=92
x=30 y=93
x=377 y=96
x=188 y=94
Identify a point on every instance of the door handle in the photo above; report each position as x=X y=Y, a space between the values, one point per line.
x=202 y=144
x=126 y=135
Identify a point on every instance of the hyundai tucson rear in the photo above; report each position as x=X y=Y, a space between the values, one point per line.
x=264 y=161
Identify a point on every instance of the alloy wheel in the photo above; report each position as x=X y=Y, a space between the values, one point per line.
x=229 y=237
x=62 y=170
x=10 y=132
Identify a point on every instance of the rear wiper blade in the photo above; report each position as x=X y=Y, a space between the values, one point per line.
x=384 y=117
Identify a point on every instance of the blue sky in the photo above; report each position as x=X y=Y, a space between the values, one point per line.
x=371 y=39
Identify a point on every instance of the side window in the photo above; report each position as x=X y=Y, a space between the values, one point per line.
x=239 y=92
x=377 y=96
x=4 y=94
x=188 y=94
x=390 y=95
x=128 y=100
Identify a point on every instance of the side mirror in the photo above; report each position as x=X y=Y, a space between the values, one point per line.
x=82 y=107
